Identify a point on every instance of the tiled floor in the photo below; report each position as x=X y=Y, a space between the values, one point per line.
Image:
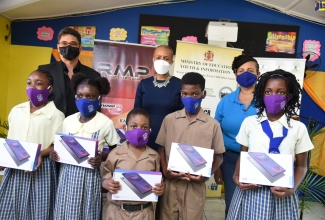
x=214 y=210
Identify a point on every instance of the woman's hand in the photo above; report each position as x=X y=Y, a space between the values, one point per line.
x=280 y=192
x=95 y=162
x=112 y=186
x=159 y=189
x=54 y=156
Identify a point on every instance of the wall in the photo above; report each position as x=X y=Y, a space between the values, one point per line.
x=24 y=32
x=237 y=10
x=4 y=64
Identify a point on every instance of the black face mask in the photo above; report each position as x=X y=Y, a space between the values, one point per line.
x=69 y=52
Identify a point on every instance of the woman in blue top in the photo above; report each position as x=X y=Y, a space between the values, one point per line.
x=230 y=113
x=159 y=94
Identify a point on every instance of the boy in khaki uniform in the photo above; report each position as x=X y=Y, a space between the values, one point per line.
x=184 y=195
x=132 y=155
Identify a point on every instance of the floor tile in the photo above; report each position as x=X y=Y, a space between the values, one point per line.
x=210 y=215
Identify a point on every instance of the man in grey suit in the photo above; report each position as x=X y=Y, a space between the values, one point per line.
x=69 y=47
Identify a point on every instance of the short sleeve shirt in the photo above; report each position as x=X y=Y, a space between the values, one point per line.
x=251 y=135
x=38 y=127
x=203 y=131
x=99 y=128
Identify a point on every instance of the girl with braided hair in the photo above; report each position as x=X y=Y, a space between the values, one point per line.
x=276 y=99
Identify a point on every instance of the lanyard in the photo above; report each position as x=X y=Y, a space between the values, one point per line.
x=274 y=142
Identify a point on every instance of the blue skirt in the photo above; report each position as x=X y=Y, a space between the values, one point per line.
x=29 y=196
x=259 y=203
x=78 y=194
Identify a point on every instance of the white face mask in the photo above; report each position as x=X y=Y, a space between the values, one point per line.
x=161 y=66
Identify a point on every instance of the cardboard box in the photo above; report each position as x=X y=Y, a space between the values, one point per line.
x=136 y=185
x=75 y=150
x=266 y=169
x=212 y=189
x=187 y=158
x=18 y=154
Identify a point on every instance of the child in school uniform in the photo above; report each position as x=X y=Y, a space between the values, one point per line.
x=31 y=195
x=79 y=188
x=184 y=195
x=276 y=98
x=134 y=154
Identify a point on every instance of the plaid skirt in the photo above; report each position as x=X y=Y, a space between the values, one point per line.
x=260 y=204
x=78 y=194
x=28 y=196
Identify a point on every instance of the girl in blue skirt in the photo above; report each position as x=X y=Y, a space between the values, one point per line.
x=273 y=130
x=31 y=195
x=79 y=188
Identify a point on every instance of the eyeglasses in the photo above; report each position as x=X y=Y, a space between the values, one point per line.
x=72 y=44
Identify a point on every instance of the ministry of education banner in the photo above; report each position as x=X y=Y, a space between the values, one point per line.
x=214 y=63
x=124 y=65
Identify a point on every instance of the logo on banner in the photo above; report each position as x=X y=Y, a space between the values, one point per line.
x=224 y=91
x=118 y=71
x=319 y=5
x=112 y=108
x=208 y=56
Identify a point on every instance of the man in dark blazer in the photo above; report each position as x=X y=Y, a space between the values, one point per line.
x=69 y=47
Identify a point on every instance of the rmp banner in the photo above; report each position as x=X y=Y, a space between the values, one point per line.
x=214 y=63
x=124 y=65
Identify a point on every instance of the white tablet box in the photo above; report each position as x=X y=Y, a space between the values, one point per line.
x=136 y=185
x=75 y=150
x=19 y=155
x=266 y=169
x=187 y=158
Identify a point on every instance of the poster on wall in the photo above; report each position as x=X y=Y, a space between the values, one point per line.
x=154 y=35
x=124 y=65
x=88 y=34
x=280 y=42
x=214 y=64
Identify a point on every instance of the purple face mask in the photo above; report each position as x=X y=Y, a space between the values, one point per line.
x=275 y=104
x=138 y=137
x=38 y=97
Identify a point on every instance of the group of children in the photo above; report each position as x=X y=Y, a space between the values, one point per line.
x=75 y=192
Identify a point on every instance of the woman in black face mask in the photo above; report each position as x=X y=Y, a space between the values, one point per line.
x=231 y=111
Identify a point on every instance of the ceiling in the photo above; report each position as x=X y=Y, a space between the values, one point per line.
x=303 y=9
x=33 y=9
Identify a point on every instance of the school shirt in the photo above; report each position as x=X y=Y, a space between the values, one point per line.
x=123 y=158
x=38 y=127
x=252 y=135
x=230 y=113
x=203 y=131
x=99 y=128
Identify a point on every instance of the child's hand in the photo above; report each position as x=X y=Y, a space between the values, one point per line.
x=244 y=186
x=173 y=175
x=2 y=168
x=112 y=186
x=54 y=156
x=280 y=192
x=159 y=189
x=95 y=162
x=218 y=176
x=198 y=179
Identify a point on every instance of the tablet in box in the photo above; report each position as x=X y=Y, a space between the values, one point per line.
x=74 y=148
x=16 y=151
x=137 y=184
x=192 y=157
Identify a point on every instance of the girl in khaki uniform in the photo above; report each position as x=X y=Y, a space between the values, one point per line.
x=132 y=155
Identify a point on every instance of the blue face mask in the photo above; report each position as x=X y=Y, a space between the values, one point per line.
x=246 y=79
x=191 y=104
x=87 y=107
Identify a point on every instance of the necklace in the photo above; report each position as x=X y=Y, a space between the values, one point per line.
x=163 y=84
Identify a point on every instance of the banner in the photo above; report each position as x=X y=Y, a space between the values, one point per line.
x=214 y=63
x=124 y=65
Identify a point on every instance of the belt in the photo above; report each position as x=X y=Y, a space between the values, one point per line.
x=232 y=151
x=134 y=208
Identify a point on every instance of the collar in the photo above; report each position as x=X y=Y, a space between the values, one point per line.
x=235 y=97
x=124 y=149
x=201 y=116
x=282 y=120
x=76 y=69
x=48 y=110
x=92 y=126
